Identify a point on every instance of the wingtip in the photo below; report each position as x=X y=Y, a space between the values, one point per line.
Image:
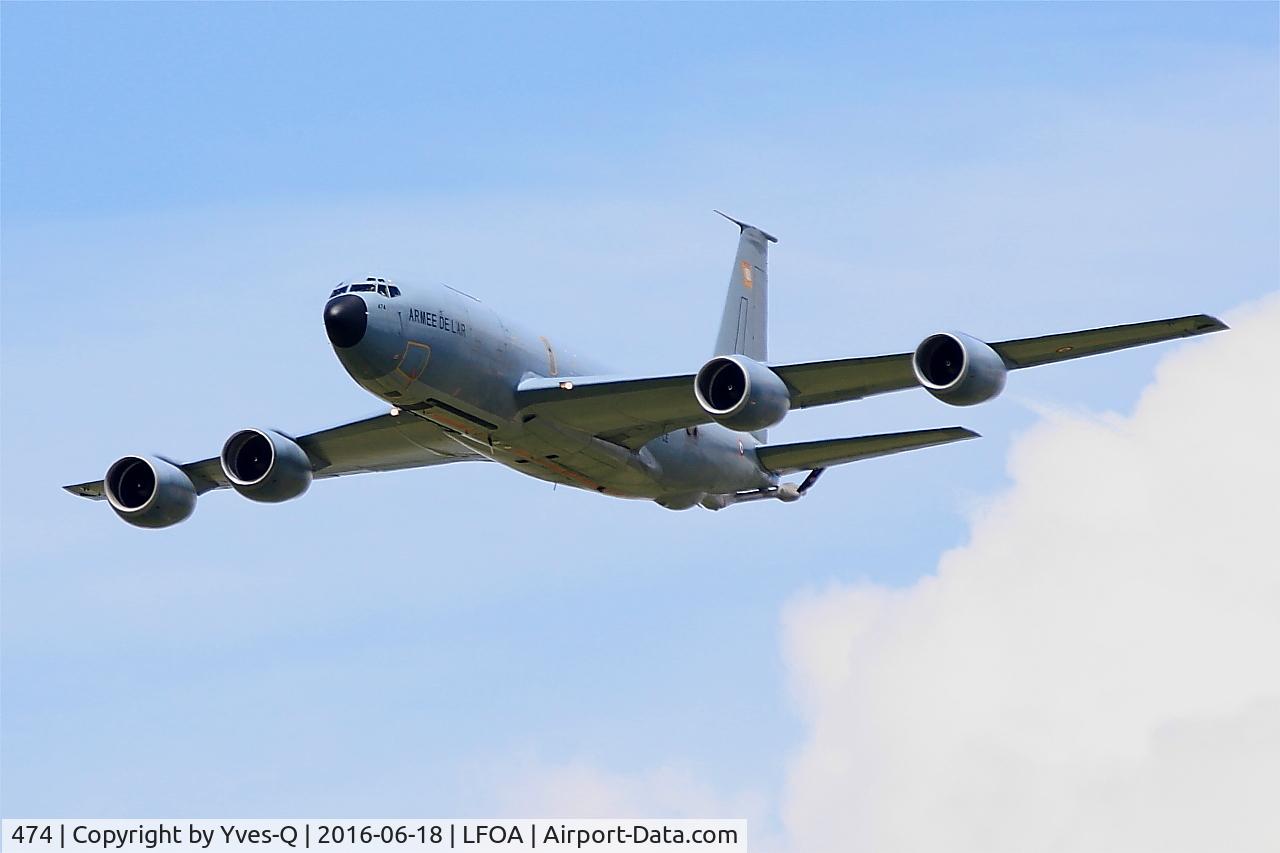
x=92 y=491
x=1210 y=323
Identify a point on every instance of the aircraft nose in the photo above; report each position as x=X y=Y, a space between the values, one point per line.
x=345 y=320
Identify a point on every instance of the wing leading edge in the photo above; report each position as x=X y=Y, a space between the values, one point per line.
x=378 y=443
x=632 y=410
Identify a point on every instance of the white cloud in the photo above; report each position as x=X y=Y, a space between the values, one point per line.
x=580 y=789
x=1097 y=669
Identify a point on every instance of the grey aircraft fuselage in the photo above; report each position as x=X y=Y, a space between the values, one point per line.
x=436 y=353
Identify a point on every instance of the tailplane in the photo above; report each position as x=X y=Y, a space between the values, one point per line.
x=744 y=326
x=810 y=455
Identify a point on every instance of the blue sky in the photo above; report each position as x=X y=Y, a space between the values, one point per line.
x=182 y=184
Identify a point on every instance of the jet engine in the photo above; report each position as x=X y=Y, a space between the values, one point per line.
x=149 y=492
x=265 y=466
x=958 y=369
x=741 y=394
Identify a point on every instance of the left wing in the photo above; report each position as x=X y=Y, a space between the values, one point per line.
x=631 y=411
x=379 y=443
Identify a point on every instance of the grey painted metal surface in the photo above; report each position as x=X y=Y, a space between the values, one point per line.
x=463 y=383
x=744 y=323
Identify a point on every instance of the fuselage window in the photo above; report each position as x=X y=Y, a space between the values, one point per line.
x=395 y=291
x=338 y=290
x=382 y=289
x=363 y=288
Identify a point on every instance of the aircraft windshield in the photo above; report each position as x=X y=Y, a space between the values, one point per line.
x=378 y=286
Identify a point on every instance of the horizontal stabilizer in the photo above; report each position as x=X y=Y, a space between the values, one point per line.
x=787 y=458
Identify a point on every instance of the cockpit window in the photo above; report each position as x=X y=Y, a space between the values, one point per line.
x=371 y=285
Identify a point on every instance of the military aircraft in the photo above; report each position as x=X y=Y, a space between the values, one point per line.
x=463 y=383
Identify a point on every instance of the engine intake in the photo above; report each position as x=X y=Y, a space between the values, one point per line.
x=958 y=369
x=149 y=492
x=741 y=394
x=265 y=466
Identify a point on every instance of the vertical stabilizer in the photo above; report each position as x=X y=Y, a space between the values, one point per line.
x=744 y=325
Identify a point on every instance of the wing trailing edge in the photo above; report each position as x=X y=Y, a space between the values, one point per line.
x=808 y=455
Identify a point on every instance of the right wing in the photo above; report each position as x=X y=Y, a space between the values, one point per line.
x=805 y=456
x=632 y=410
x=379 y=443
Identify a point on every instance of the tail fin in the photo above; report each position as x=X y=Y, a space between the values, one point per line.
x=744 y=326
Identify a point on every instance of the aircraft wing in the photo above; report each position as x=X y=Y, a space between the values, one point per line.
x=821 y=382
x=1032 y=352
x=378 y=443
x=627 y=411
x=632 y=410
x=805 y=456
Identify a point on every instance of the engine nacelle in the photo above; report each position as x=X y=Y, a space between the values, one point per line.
x=265 y=466
x=149 y=492
x=958 y=369
x=741 y=394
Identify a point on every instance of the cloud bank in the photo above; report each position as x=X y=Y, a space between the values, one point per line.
x=1097 y=669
